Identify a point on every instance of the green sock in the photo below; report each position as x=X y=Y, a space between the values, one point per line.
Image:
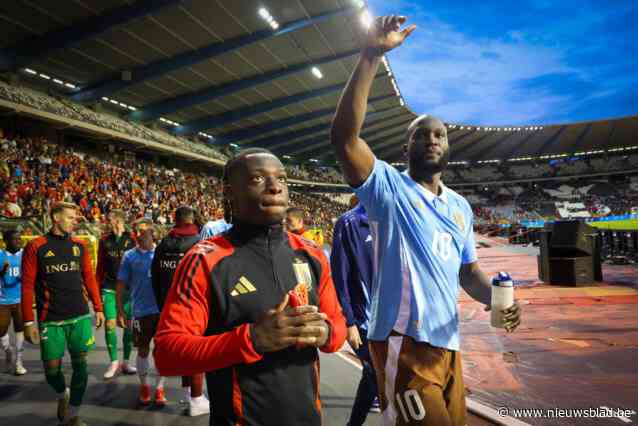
x=55 y=379
x=110 y=335
x=79 y=379
x=127 y=342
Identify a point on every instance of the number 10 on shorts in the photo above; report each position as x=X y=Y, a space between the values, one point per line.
x=410 y=405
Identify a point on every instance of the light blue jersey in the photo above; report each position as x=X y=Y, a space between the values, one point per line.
x=420 y=242
x=11 y=281
x=213 y=228
x=135 y=272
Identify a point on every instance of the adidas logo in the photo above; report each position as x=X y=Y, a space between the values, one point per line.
x=243 y=286
x=49 y=254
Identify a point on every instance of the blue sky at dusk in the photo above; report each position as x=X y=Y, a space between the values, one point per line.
x=518 y=62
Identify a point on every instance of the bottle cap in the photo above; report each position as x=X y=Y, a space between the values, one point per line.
x=503 y=279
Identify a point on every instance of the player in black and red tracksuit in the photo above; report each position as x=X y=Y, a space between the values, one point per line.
x=168 y=254
x=227 y=312
x=57 y=270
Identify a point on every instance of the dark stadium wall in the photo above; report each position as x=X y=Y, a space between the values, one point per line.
x=27 y=127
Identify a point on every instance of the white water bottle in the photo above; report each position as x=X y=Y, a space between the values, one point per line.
x=502 y=298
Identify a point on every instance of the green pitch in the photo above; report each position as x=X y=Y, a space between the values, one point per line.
x=625 y=225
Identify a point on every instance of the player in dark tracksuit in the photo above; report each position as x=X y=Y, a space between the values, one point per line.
x=110 y=252
x=351 y=263
x=227 y=312
x=57 y=270
x=168 y=254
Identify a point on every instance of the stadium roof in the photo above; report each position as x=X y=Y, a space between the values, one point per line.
x=240 y=71
x=251 y=73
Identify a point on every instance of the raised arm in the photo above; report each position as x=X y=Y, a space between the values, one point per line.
x=355 y=156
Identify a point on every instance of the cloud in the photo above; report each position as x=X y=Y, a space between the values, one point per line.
x=545 y=72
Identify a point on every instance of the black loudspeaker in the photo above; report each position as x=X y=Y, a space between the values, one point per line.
x=571 y=270
x=570 y=254
x=571 y=238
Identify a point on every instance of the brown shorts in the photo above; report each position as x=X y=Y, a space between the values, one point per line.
x=144 y=329
x=419 y=384
x=7 y=312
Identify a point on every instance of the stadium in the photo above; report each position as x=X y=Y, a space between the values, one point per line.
x=138 y=106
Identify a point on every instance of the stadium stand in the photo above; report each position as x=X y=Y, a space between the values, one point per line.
x=36 y=173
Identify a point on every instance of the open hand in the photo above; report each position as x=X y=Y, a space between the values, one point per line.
x=385 y=34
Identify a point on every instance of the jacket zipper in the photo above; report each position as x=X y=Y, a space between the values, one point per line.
x=272 y=262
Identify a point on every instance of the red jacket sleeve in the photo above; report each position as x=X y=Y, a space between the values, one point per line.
x=89 y=278
x=29 y=271
x=181 y=349
x=99 y=270
x=329 y=304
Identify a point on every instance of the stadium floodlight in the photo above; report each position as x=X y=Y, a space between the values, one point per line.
x=264 y=13
x=58 y=81
x=286 y=157
x=266 y=16
x=366 y=19
x=234 y=145
x=30 y=71
x=401 y=102
x=104 y=98
x=113 y=101
x=70 y=85
x=317 y=72
x=132 y=108
x=44 y=76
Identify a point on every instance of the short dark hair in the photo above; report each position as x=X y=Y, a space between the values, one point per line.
x=60 y=207
x=296 y=212
x=184 y=213
x=8 y=233
x=229 y=168
x=236 y=161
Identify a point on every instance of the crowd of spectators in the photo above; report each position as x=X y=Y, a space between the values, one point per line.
x=35 y=173
x=67 y=109
x=536 y=201
x=315 y=173
x=71 y=110
x=541 y=168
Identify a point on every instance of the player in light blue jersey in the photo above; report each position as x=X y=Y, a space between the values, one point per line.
x=423 y=251
x=213 y=228
x=10 y=295
x=134 y=276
